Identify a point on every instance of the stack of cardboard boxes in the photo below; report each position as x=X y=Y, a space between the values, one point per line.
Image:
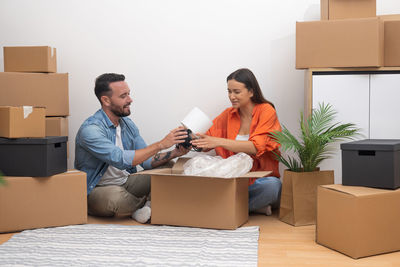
x=358 y=221
x=360 y=217
x=349 y=34
x=30 y=78
x=34 y=106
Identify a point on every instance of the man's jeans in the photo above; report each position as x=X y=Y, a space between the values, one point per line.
x=110 y=200
x=116 y=200
x=265 y=191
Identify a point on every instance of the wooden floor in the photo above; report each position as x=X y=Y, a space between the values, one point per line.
x=281 y=244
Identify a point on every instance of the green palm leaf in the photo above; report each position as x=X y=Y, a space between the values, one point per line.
x=317 y=132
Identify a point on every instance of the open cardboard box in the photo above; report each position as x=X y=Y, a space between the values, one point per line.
x=198 y=201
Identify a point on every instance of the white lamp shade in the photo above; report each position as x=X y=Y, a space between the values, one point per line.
x=197 y=121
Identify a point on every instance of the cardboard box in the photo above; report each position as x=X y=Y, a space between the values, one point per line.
x=49 y=90
x=358 y=221
x=347 y=9
x=392 y=40
x=56 y=126
x=340 y=43
x=17 y=122
x=207 y=202
x=28 y=203
x=30 y=59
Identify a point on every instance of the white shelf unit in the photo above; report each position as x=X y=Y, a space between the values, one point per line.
x=370 y=98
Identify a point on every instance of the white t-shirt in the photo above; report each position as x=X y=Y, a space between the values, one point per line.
x=115 y=176
x=244 y=137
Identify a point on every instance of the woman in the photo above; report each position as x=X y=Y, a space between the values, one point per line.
x=244 y=127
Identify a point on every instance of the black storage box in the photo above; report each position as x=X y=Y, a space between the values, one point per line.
x=371 y=163
x=37 y=157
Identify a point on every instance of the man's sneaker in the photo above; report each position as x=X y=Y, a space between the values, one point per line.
x=142 y=215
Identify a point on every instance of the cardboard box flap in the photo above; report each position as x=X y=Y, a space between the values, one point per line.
x=256 y=174
x=155 y=171
x=178 y=166
x=169 y=172
x=357 y=191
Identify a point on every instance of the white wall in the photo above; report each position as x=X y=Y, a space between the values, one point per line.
x=175 y=54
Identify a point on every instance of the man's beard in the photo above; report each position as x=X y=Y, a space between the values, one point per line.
x=120 y=113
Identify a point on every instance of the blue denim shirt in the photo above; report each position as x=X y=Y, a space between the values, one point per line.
x=95 y=147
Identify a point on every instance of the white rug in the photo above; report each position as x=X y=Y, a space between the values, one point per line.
x=119 y=245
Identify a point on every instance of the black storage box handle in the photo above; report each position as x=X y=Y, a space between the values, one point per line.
x=366 y=152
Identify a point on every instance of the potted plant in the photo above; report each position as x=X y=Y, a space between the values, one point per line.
x=302 y=177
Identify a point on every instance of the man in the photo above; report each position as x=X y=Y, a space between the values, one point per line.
x=108 y=148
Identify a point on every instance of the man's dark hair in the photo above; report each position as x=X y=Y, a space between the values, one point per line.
x=102 y=85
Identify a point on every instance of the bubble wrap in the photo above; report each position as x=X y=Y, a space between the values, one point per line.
x=205 y=165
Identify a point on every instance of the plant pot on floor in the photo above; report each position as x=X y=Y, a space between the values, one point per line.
x=299 y=196
x=301 y=180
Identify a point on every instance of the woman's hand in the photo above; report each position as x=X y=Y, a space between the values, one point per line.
x=207 y=142
x=175 y=136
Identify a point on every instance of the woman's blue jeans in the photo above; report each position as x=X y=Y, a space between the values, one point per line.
x=265 y=191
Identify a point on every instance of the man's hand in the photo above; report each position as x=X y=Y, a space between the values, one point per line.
x=176 y=136
x=180 y=151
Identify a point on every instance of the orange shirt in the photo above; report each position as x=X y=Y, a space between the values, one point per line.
x=264 y=120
